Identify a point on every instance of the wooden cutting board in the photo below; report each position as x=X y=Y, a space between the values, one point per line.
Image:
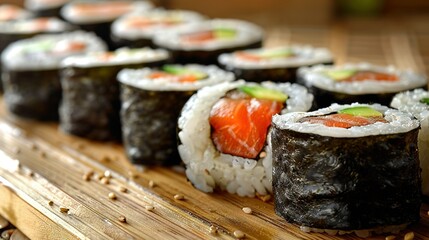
x=42 y=169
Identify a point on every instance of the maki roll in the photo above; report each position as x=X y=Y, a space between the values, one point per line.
x=151 y=103
x=9 y=12
x=30 y=71
x=347 y=168
x=203 y=42
x=45 y=8
x=417 y=103
x=97 y=16
x=278 y=64
x=11 y=31
x=90 y=103
x=138 y=29
x=223 y=133
x=364 y=83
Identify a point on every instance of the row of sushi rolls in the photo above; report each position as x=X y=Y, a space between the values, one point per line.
x=342 y=148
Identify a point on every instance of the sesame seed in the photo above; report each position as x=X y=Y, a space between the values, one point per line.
x=50 y=203
x=152 y=184
x=238 y=234
x=179 y=197
x=390 y=237
x=409 y=236
x=247 y=210
x=262 y=154
x=112 y=196
x=122 y=219
x=30 y=174
x=213 y=230
x=107 y=174
x=86 y=177
x=64 y=210
x=149 y=207
x=104 y=180
x=265 y=198
x=123 y=189
x=132 y=174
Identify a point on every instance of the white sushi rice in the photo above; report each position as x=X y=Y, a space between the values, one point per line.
x=31 y=26
x=72 y=14
x=247 y=33
x=36 y=5
x=122 y=29
x=119 y=57
x=397 y=122
x=139 y=78
x=304 y=55
x=410 y=102
x=315 y=76
x=37 y=53
x=209 y=169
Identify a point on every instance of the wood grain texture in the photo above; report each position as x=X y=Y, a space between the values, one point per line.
x=38 y=164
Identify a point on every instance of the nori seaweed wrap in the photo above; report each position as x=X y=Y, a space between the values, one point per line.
x=30 y=71
x=277 y=64
x=97 y=16
x=347 y=168
x=138 y=29
x=43 y=8
x=203 y=42
x=12 y=31
x=151 y=103
x=224 y=130
x=364 y=83
x=90 y=104
x=417 y=103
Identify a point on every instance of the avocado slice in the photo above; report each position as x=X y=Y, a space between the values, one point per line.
x=224 y=33
x=340 y=74
x=361 y=111
x=425 y=100
x=183 y=71
x=264 y=93
x=276 y=53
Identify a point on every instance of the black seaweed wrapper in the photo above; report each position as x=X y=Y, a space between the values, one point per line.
x=91 y=103
x=149 y=123
x=346 y=183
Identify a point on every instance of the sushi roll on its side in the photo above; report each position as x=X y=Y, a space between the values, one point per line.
x=347 y=168
x=204 y=41
x=138 y=30
x=10 y=12
x=98 y=16
x=44 y=8
x=364 y=83
x=277 y=64
x=223 y=133
x=417 y=103
x=31 y=71
x=151 y=103
x=90 y=104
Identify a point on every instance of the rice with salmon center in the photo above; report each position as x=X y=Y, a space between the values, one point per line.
x=416 y=102
x=224 y=134
x=347 y=168
x=363 y=82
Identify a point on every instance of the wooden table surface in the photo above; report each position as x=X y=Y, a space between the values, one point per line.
x=39 y=164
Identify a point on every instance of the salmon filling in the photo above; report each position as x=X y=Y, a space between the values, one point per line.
x=343 y=120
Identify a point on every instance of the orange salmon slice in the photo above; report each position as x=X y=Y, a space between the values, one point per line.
x=240 y=126
x=343 y=120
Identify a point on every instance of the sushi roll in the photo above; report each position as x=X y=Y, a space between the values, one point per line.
x=45 y=8
x=90 y=103
x=417 y=103
x=151 y=103
x=138 y=29
x=30 y=71
x=364 y=83
x=11 y=31
x=203 y=42
x=277 y=64
x=97 y=16
x=224 y=132
x=347 y=168
x=10 y=12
